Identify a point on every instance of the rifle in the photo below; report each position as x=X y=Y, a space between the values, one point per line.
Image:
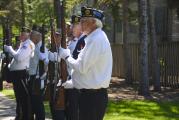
x=7 y=59
x=52 y=72
x=60 y=103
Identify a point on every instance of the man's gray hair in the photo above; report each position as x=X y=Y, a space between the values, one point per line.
x=99 y=24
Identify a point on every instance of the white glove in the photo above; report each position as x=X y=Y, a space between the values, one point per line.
x=52 y=56
x=7 y=48
x=3 y=56
x=64 y=53
x=68 y=84
x=42 y=84
x=42 y=56
x=59 y=83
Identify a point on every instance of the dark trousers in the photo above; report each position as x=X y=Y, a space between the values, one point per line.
x=18 y=111
x=72 y=104
x=21 y=94
x=56 y=114
x=92 y=104
x=36 y=99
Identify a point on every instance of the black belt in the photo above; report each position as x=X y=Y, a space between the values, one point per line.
x=91 y=90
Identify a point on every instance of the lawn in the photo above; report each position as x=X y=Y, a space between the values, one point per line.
x=133 y=109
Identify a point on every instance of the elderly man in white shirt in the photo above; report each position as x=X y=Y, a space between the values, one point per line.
x=92 y=69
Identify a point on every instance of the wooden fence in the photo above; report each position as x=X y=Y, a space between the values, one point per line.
x=168 y=57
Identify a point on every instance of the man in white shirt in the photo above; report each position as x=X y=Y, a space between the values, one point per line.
x=92 y=69
x=36 y=82
x=18 y=71
x=72 y=94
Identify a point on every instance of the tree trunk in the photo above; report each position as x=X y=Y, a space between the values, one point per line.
x=143 y=30
x=23 y=12
x=57 y=12
x=114 y=31
x=127 y=58
x=154 y=48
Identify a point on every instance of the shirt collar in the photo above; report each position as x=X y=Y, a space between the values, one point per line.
x=92 y=34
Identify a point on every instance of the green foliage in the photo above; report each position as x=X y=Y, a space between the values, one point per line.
x=39 y=12
x=9 y=93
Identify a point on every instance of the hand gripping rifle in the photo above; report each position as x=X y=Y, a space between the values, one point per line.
x=60 y=103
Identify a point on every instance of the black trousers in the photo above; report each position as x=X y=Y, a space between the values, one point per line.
x=56 y=114
x=21 y=93
x=72 y=104
x=36 y=99
x=92 y=104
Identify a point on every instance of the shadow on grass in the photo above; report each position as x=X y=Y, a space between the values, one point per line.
x=149 y=110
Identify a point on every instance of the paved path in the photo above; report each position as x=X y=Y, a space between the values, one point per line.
x=7 y=108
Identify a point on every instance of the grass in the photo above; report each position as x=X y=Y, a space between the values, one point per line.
x=142 y=110
x=133 y=109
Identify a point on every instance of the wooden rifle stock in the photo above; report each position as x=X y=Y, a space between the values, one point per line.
x=60 y=103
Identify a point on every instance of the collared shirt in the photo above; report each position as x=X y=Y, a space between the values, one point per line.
x=72 y=45
x=34 y=61
x=22 y=56
x=93 y=67
x=75 y=48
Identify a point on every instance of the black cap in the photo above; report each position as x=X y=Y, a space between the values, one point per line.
x=91 y=12
x=25 y=29
x=75 y=19
x=36 y=28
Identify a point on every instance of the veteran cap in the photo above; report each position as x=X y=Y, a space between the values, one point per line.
x=25 y=29
x=75 y=19
x=91 y=12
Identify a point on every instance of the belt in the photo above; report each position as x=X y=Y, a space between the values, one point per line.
x=91 y=90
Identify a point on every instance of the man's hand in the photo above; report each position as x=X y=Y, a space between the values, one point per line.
x=3 y=56
x=64 y=53
x=42 y=56
x=53 y=56
x=67 y=85
x=7 y=48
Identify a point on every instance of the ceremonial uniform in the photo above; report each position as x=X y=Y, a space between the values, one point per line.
x=72 y=108
x=36 y=83
x=18 y=72
x=91 y=70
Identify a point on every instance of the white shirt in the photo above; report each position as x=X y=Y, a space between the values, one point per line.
x=93 y=68
x=34 y=61
x=72 y=45
x=21 y=57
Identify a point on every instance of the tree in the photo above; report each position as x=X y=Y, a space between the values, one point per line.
x=154 y=48
x=143 y=31
x=23 y=13
x=127 y=59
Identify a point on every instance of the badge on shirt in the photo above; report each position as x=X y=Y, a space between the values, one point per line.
x=24 y=47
